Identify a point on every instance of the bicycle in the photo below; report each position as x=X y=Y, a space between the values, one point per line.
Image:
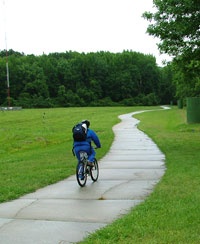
x=83 y=170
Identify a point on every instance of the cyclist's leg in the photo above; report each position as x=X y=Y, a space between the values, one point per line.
x=81 y=176
x=79 y=170
x=91 y=155
x=76 y=152
x=77 y=149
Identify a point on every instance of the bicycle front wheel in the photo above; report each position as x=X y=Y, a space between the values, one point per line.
x=94 y=171
x=81 y=174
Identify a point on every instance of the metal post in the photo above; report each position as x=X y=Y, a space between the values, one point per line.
x=7 y=68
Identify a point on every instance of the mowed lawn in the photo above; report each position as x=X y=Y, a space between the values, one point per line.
x=36 y=151
x=171 y=214
x=36 y=144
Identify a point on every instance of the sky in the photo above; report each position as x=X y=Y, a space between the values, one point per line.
x=46 y=26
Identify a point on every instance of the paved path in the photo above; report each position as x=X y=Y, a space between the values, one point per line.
x=65 y=213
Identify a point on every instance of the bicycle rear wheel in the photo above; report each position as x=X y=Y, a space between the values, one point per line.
x=81 y=174
x=94 y=171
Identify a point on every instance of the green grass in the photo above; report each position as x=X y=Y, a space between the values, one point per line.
x=35 y=145
x=171 y=214
x=36 y=151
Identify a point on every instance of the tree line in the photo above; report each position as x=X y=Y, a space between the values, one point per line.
x=104 y=78
x=79 y=79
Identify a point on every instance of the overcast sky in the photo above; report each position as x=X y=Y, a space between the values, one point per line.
x=44 y=26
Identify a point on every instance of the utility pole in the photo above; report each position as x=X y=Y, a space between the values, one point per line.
x=7 y=67
x=8 y=79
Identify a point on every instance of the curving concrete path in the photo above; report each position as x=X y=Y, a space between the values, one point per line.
x=65 y=213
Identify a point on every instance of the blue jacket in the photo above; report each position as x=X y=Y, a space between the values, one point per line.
x=92 y=136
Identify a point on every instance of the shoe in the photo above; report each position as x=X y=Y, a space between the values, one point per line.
x=81 y=176
x=91 y=164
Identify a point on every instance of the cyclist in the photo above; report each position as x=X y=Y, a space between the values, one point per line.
x=87 y=144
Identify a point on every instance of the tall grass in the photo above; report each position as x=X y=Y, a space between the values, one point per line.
x=171 y=214
x=35 y=145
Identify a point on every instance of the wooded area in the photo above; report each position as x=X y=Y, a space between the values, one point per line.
x=78 y=79
x=103 y=78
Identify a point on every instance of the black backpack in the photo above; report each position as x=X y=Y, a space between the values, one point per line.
x=79 y=132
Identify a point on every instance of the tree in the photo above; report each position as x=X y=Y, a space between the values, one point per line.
x=176 y=23
x=167 y=88
x=3 y=86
